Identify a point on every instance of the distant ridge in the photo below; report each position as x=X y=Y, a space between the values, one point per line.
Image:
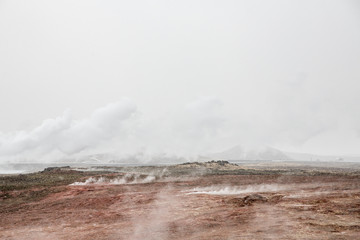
x=259 y=153
x=233 y=154
x=238 y=153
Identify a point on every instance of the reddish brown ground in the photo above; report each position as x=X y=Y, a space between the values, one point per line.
x=305 y=207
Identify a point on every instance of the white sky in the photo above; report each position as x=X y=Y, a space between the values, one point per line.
x=202 y=75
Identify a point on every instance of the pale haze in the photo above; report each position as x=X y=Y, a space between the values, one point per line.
x=178 y=78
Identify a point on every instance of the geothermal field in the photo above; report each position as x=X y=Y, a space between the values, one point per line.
x=212 y=200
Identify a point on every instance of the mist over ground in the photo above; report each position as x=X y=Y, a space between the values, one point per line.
x=119 y=132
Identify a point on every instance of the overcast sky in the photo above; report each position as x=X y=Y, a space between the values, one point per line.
x=179 y=76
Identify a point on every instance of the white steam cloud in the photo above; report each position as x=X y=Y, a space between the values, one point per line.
x=64 y=135
x=120 y=132
x=235 y=190
x=126 y=179
x=119 y=129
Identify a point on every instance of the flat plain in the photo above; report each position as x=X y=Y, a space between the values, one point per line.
x=212 y=200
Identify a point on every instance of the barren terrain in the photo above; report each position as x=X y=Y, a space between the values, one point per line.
x=216 y=200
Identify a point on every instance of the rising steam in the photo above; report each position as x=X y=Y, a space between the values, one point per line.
x=126 y=179
x=235 y=190
x=118 y=129
x=66 y=136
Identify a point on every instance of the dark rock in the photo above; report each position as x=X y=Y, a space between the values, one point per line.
x=254 y=198
x=55 y=169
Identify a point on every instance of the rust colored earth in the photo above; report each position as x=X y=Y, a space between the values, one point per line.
x=203 y=207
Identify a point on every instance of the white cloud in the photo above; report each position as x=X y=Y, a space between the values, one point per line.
x=66 y=135
x=283 y=73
